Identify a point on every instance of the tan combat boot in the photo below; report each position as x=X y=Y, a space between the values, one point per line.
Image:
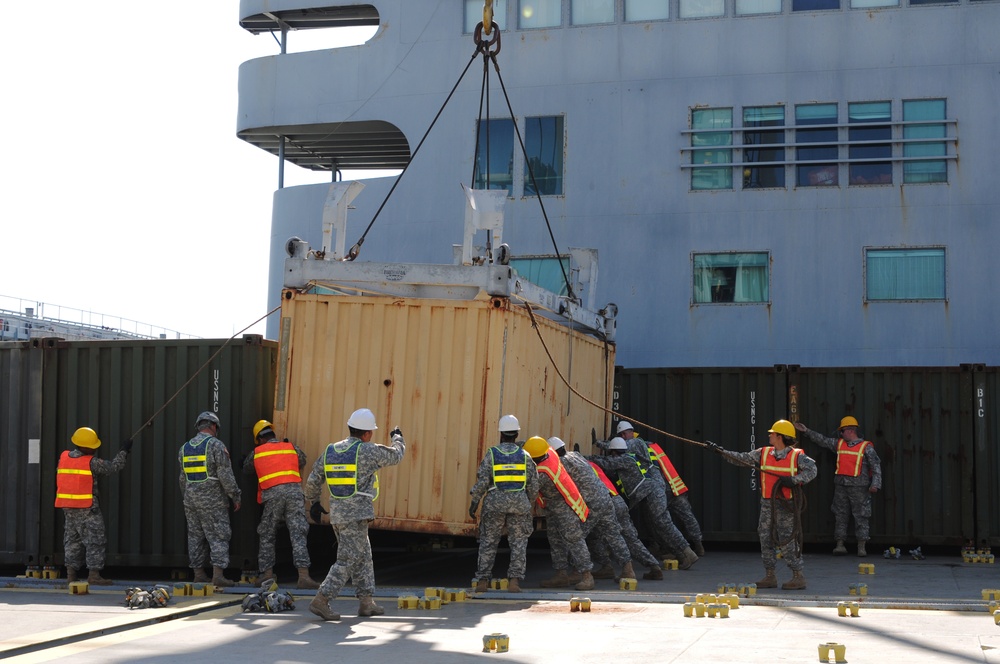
x=71 y=576
x=514 y=586
x=200 y=576
x=306 y=582
x=560 y=580
x=698 y=548
x=587 y=582
x=368 y=607
x=687 y=558
x=482 y=585
x=861 y=549
x=654 y=574
x=320 y=605
x=798 y=582
x=266 y=576
x=219 y=580
x=840 y=549
x=769 y=580
x=95 y=578
x=628 y=572
x=606 y=572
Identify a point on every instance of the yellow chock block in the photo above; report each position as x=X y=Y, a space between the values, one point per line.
x=866 y=568
x=430 y=603
x=574 y=604
x=454 y=595
x=627 y=584
x=717 y=609
x=249 y=578
x=748 y=589
x=706 y=598
x=433 y=592
x=198 y=589
x=996 y=617
x=670 y=563
x=50 y=573
x=991 y=593
x=839 y=651
x=724 y=588
x=33 y=573
x=988 y=558
x=182 y=589
x=79 y=588
x=993 y=606
x=732 y=599
x=694 y=609
x=407 y=602
x=845 y=608
x=498 y=584
x=858 y=588
x=496 y=642
x=209 y=590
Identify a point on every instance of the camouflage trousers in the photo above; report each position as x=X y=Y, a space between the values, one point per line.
x=783 y=541
x=639 y=553
x=683 y=516
x=84 y=532
x=851 y=501
x=567 y=544
x=664 y=530
x=491 y=527
x=601 y=529
x=208 y=534
x=289 y=510
x=354 y=561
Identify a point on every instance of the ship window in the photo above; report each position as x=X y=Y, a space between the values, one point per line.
x=747 y=7
x=710 y=148
x=495 y=156
x=646 y=10
x=543 y=143
x=731 y=277
x=921 y=170
x=814 y=5
x=543 y=271
x=872 y=124
x=701 y=8
x=933 y=2
x=821 y=142
x=474 y=14
x=905 y=274
x=761 y=147
x=868 y=4
x=539 y=13
x=589 y=12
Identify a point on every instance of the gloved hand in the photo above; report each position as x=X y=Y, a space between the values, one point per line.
x=395 y=432
x=718 y=449
x=317 y=511
x=786 y=482
x=472 y=509
x=127 y=445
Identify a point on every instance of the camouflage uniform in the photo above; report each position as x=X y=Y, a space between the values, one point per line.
x=777 y=510
x=283 y=503
x=350 y=516
x=206 y=504
x=679 y=506
x=504 y=509
x=852 y=495
x=84 y=536
x=601 y=523
x=565 y=530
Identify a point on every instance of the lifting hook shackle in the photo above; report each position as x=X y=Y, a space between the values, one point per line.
x=482 y=45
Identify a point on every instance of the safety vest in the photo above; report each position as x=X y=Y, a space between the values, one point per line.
x=193 y=459
x=601 y=475
x=642 y=471
x=276 y=463
x=551 y=466
x=849 y=458
x=772 y=467
x=509 y=470
x=74 y=481
x=670 y=474
x=341 y=470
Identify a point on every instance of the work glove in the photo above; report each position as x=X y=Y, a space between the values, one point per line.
x=786 y=482
x=395 y=432
x=472 y=509
x=127 y=445
x=718 y=449
x=317 y=511
x=593 y=436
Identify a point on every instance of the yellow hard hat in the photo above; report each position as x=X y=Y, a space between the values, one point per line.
x=260 y=426
x=784 y=427
x=536 y=447
x=86 y=437
x=848 y=421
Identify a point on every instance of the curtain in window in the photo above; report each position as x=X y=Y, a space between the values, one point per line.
x=905 y=274
x=751 y=285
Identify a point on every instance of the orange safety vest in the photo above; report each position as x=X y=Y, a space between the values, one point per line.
x=552 y=466
x=849 y=458
x=670 y=474
x=276 y=463
x=601 y=475
x=74 y=481
x=772 y=467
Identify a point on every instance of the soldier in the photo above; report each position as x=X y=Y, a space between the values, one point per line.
x=207 y=485
x=675 y=489
x=507 y=485
x=601 y=524
x=84 y=536
x=565 y=511
x=276 y=466
x=784 y=468
x=858 y=478
x=349 y=470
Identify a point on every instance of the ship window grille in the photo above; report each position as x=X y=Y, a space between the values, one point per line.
x=765 y=146
x=921 y=112
x=710 y=147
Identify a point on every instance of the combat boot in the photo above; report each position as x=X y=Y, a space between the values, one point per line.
x=95 y=578
x=769 y=580
x=840 y=549
x=482 y=585
x=861 y=549
x=628 y=572
x=687 y=558
x=654 y=574
x=71 y=576
x=586 y=583
x=514 y=586
x=606 y=572
x=266 y=576
x=320 y=605
x=573 y=578
x=798 y=582
x=560 y=580
x=305 y=581
x=698 y=548
x=200 y=576
x=368 y=607
x=219 y=580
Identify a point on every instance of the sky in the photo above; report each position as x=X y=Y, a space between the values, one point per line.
x=124 y=190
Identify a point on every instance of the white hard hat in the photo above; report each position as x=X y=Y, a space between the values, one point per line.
x=617 y=443
x=624 y=426
x=509 y=423
x=363 y=420
x=556 y=443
